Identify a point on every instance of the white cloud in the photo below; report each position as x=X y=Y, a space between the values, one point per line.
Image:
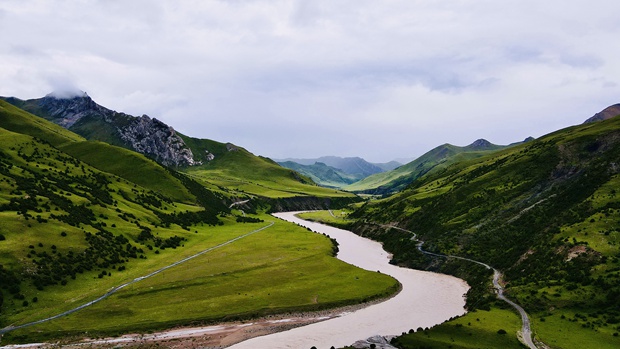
x=309 y=78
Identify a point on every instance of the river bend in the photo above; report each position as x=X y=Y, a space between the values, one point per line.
x=426 y=299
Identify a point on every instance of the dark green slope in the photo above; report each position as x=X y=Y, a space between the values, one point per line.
x=546 y=212
x=66 y=224
x=130 y=165
x=119 y=161
x=434 y=160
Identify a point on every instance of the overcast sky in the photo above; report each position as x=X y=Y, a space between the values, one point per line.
x=283 y=78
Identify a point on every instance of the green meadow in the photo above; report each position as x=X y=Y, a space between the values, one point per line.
x=496 y=328
x=80 y=218
x=283 y=268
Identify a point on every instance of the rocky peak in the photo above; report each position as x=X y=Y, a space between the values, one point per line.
x=66 y=109
x=607 y=113
x=480 y=144
x=143 y=134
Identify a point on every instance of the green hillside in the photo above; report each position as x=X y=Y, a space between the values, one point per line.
x=546 y=213
x=17 y=120
x=130 y=165
x=241 y=173
x=436 y=159
x=72 y=230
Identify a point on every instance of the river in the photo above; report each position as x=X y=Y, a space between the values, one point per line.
x=426 y=299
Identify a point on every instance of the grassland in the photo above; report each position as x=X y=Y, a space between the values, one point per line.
x=479 y=329
x=71 y=230
x=284 y=268
x=334 y=217
x=242 y=173
x=130 y=165
x=546 y=213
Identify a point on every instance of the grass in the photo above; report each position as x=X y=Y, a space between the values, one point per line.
x=284 y=268
x=339 y=217
x=564 y=330
x=17 y=120
x=477 y=329
x=130 y=165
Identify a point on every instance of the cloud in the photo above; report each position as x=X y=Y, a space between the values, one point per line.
x=309 y=78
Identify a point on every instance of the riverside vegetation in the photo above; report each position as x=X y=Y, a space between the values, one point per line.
x=545 y=212
x=81 y=217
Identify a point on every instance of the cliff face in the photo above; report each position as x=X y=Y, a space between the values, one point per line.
x=80 y=114
x=158 y=140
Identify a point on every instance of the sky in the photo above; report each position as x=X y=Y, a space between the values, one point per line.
x=382 y=80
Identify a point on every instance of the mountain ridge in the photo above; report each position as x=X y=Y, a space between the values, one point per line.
x=81 y=114
x=435 y=159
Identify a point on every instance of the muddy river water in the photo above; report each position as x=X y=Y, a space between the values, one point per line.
x=426 y=299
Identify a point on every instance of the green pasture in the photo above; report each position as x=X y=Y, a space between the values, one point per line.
x=339 y=217
x=573 y=328
x=283 y=268
x=478 y=329
x=272 y=186
x=130 y=165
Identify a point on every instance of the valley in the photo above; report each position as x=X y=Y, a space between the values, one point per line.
x=119 y=232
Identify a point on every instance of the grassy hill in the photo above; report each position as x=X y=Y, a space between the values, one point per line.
x=545 y=212
x=17 y=120
x=436 y=159
x=221 y=167
x=72 y=229
x=239 y=172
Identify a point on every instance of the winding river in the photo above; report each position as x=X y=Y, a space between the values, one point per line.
x=426 y=299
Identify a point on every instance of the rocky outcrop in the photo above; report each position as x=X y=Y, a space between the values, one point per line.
x=378 y=342
x=154 y=138
x=79 y=113
x=607 y=113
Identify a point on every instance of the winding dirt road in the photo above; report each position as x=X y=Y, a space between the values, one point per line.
x=526 y=332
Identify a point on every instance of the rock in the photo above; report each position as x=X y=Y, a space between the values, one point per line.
x=145 y=135
x=380 y=342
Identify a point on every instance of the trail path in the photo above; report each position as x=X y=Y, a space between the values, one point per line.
x=138 y=279
x=526 y=332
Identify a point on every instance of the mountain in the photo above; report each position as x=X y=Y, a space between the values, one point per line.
x=83 y=116
x=388 y=166
x=322 y=174
x=223 y=167
x=607 y=113
x=352 y=165
x=434 y=160
x=545 y=212
x=83 y=221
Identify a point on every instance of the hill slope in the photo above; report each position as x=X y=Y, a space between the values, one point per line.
x=545 y=212
x=436 y=159
x=83 y=116
x=223 y=167
x=71 y=232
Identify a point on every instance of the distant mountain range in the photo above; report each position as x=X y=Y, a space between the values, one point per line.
x=434 y=160
x=334 y=171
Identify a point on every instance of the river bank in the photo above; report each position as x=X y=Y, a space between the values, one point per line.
x=426 y=299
